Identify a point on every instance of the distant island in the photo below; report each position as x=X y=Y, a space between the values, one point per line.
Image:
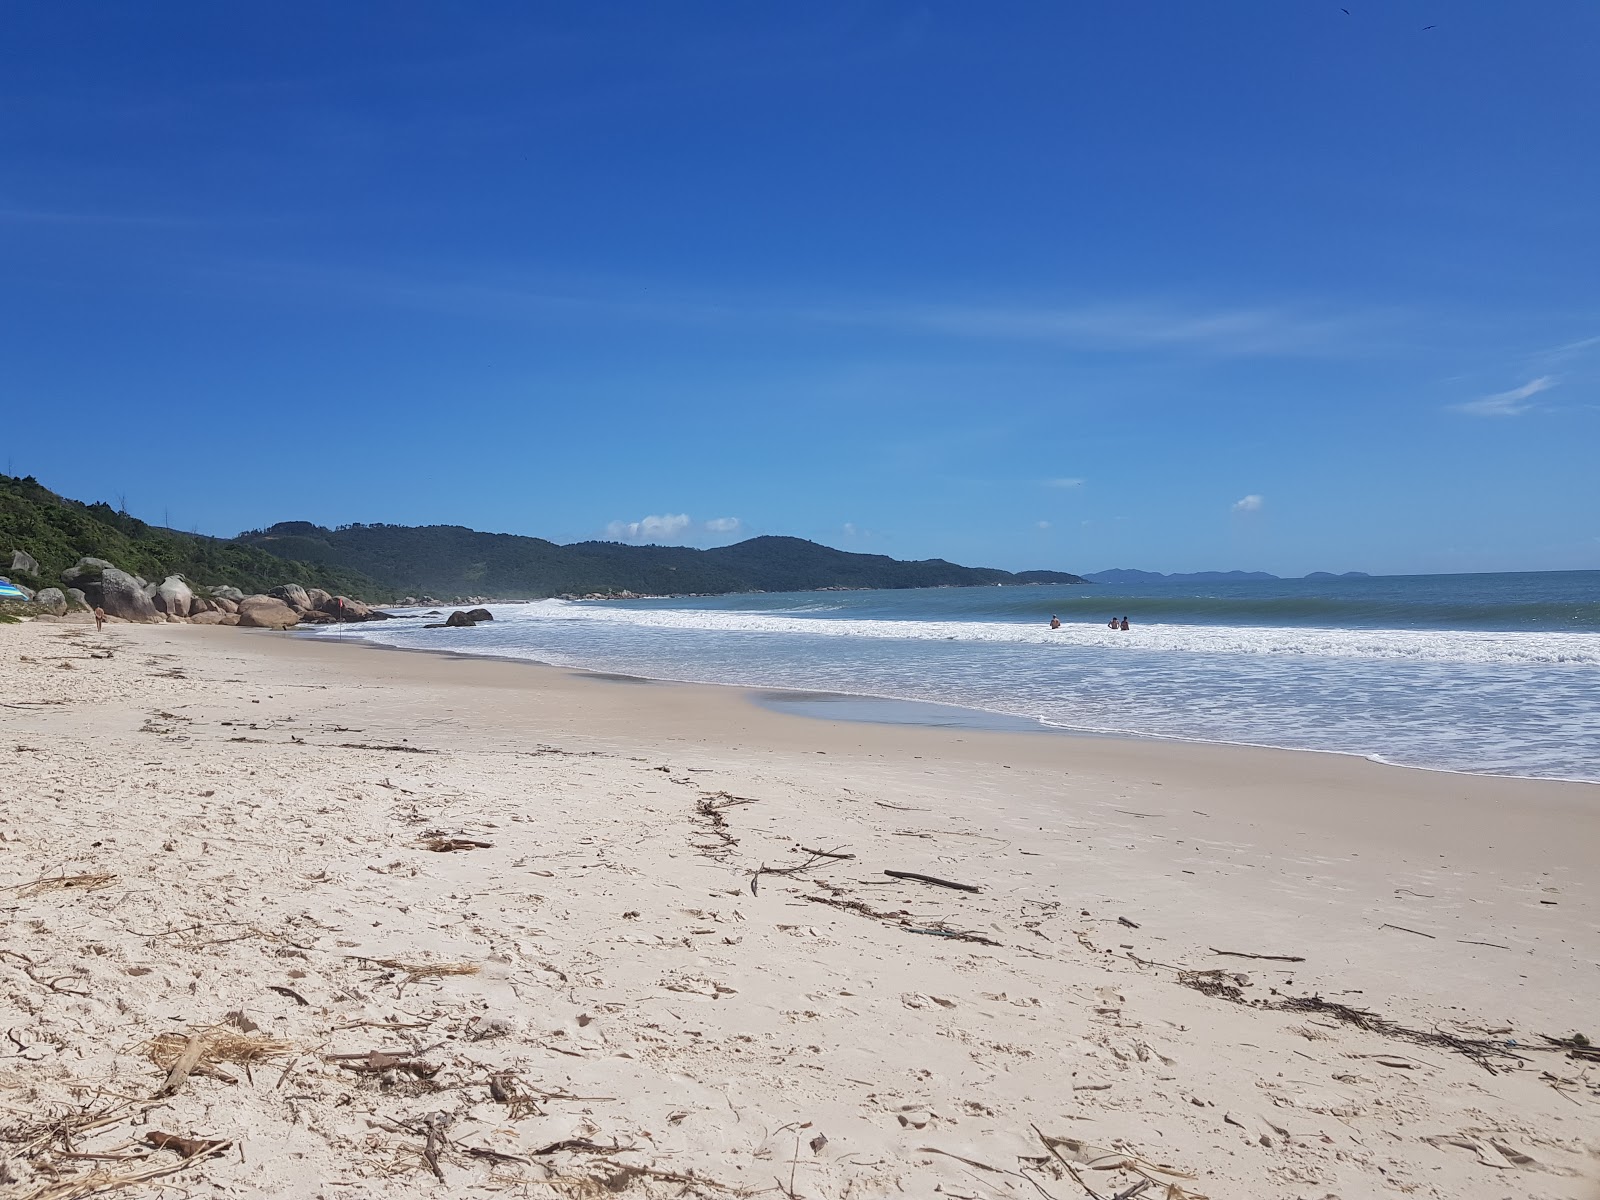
x=43 y=534
x=1127 y=575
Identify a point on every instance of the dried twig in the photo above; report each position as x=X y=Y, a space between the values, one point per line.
x=1264 y=957
x=933 y=879
x=1403 y=929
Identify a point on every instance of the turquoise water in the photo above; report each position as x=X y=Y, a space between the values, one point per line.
x=1485 y=673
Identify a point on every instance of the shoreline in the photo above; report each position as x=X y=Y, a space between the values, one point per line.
x=1034 y=725
x=622 y=943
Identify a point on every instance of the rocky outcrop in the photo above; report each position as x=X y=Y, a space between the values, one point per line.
x=121 y=596
x=479 y=614
x=342 y=608
x=223 y=604
x=225 y=592
x=173 y=596
x=85 y=575
x=208 y=618
x=317 y=598
x=76 y=599
x=52 y=601
x=293 y=595
x=22 y=561
x=266 y=612
x=459 y=620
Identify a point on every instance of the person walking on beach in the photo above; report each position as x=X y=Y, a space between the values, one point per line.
x=99 y=618
x=1055 y=621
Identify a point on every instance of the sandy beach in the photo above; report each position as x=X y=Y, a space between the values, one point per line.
x=350 y=922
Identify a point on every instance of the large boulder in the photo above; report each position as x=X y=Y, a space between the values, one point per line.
x=173 y=596
x=85 y=576
x=342 y=608
x=225 y=605
x=121 y=596
x=200 y=605
x=52 y=601
x=293 y=595
x=22 y=561
x=224 y=591
x=76 y=599
x=479 y=614
x=208 y=618
x=266 y=612
x=459 y=620
x=317 y=597
x=315 y=617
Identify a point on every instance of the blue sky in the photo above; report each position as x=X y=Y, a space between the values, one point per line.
x=1174 y=286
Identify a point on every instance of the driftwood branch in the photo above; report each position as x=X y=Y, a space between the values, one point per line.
x=1263 y=957
x=933 y=879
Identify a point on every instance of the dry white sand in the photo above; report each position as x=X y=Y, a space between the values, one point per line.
x=212 y=832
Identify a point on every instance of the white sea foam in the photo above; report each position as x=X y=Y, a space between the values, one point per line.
x=1504 y=703
x=1444 y=646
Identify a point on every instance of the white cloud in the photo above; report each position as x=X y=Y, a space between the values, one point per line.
x=650 y=529
x=1249 y=504
x=1508 y=404
x=1063 y=483
x=723 y=524
x=849 y=529
x=1042 y=524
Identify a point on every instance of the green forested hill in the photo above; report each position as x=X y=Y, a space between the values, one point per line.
x=57 y=532
x=452 y=561
x=382 y=562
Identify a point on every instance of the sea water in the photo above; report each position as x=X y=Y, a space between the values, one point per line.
x=1484 y=673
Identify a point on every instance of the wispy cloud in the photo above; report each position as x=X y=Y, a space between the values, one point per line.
x=1568 y=350
x=1508 y=404
x=723 y=525
x=1063 y=483
x=1249 y=504
x=1041 y=524
x=1116 y=326
x=1112 y=325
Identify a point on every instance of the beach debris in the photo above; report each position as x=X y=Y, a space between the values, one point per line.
x=1077 y=1157
x=186 y=1147
x=445 y=845
x=377 y=1062
x=1403 y=929
x=816 y=858
x=1263 y=957
x=1128 y=923
x=710 y=809
x=370 y=746
x=901 y=917
x=289 y=992
x=91 y=881
x=202 y=1051
x=1492 y=1055
x=934 y=880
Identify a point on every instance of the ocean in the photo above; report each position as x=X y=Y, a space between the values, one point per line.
x=1496 y=674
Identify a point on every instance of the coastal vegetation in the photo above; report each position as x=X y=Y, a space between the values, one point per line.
x=384 y=562
x=56 y=532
